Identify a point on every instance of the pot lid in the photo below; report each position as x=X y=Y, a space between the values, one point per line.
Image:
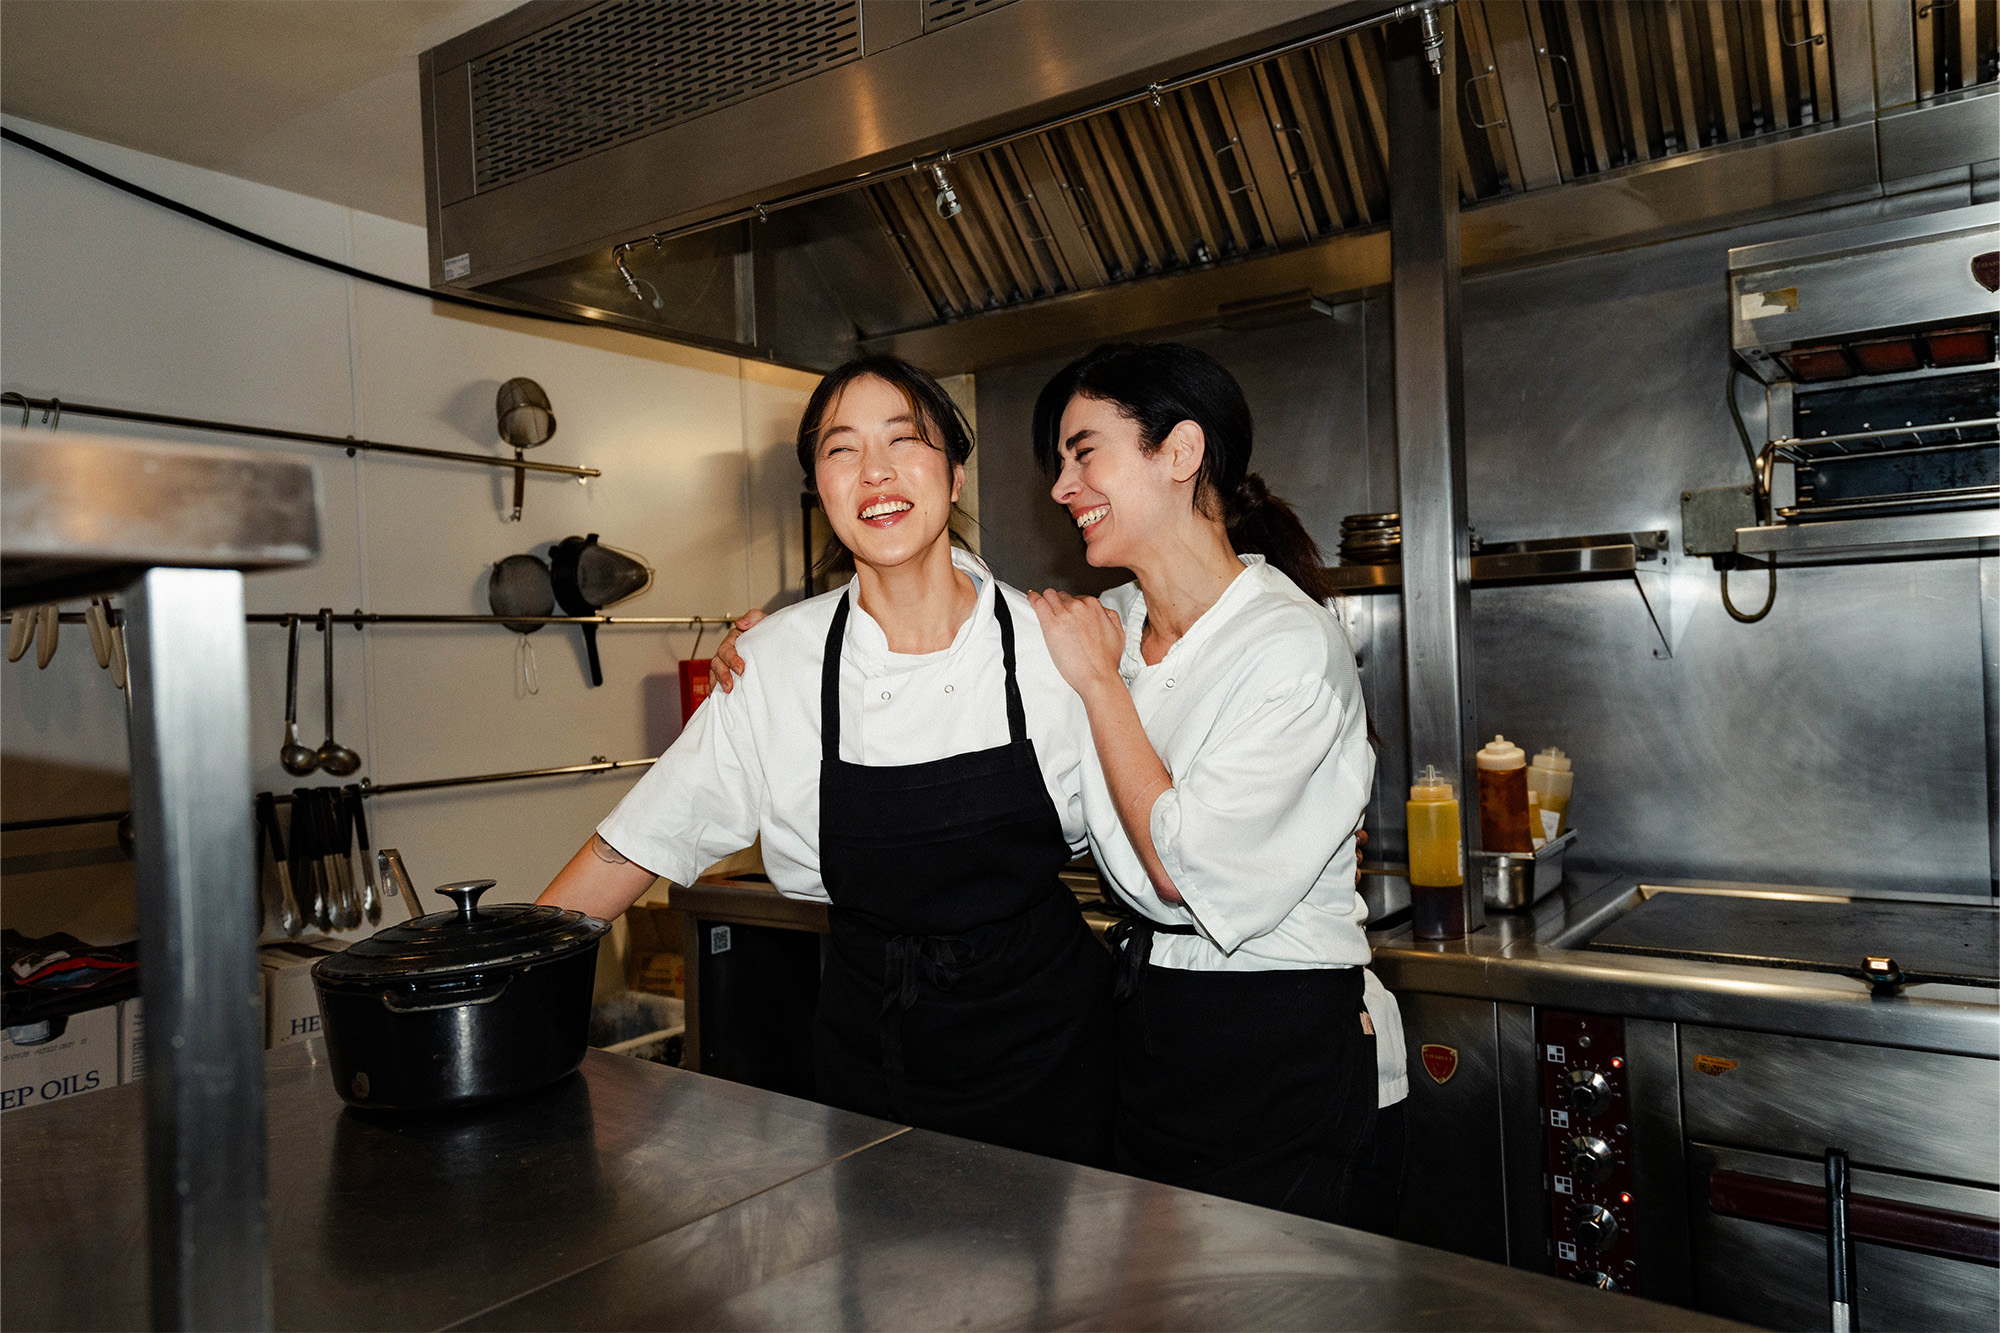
x=468 y=939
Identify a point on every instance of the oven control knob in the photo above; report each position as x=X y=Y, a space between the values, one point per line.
x=1594 y=1225
x=1588 y=1092
x=1590 y=1159
x=1590 y=1277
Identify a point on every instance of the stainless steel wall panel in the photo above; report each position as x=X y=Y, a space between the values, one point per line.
x=1775 y=1276
x=1989 y=659
x=1891 y=1110
x=1454 y=1181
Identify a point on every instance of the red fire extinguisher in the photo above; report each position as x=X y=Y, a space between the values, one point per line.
x=696 y=681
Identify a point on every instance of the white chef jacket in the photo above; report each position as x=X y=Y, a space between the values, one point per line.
x=1258 y=715
x=747 y=763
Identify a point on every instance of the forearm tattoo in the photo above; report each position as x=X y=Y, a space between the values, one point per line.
x=606 y=853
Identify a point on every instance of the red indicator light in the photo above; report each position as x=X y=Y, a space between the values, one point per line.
x=1624 y=1198
x=1617 y=1063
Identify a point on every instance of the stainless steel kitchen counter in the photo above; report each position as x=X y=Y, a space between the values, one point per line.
x=636 y=1195
x=1534 y=958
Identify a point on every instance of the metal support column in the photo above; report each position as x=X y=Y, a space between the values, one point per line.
x=1430 y=424
x=198 y=910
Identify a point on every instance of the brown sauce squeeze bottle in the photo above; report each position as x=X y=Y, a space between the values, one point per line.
x=1503 y=797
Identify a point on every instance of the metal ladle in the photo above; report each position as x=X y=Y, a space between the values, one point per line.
x=297 y=759
x=334 y=757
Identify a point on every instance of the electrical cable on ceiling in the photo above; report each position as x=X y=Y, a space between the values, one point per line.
x=1762 y=502
x=292 y=252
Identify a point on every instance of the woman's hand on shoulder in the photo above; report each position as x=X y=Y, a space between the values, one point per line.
x=727 y=663
x=1085 y=638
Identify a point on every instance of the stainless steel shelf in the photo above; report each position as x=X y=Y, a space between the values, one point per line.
x=1600 y=555
x=1963 y=532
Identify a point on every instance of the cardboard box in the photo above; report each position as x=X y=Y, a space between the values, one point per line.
x=653 y=960
x=291 y=1005
x=131 y=1040
x=63 y=1057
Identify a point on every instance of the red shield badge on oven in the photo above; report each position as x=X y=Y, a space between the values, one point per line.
x=1440 y=1062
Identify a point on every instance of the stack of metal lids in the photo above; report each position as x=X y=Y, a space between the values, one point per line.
x=1371 y=539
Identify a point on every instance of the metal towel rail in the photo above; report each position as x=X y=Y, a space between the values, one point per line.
x=52 y=410
x=597 y=764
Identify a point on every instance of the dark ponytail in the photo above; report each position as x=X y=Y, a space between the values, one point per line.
x=1160 y=385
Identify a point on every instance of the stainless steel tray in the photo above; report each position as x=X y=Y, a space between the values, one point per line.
x=1512 y=880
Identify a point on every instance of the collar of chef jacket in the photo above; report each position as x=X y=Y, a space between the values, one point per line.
x=868 y=647
x=1130 y=604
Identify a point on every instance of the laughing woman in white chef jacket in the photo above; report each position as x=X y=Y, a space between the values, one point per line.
x=910 y=756
x=1233 y=770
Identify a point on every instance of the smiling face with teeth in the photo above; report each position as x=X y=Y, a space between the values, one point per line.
x=1121 y=496
x=886 y=488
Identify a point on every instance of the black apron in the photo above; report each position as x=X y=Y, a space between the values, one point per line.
x=1256 y=1086
x=963 y=991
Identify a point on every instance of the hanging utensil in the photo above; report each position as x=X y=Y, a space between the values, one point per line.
x=526 y=420
x=589 y=576
x=342 y=816
x=21 y=632
x=290 y=919
x=45 y=650
x=334 y=757
x=520 y=586
x=371 y=896
x=99 y=628
x=396 y=880
x=305 y=861
x=297 y=759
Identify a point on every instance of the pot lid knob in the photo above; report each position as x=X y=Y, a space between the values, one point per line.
x=466 y=895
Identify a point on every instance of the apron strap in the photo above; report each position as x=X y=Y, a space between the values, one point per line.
x=829 y=681
x=829 y=677
x=1017 y=716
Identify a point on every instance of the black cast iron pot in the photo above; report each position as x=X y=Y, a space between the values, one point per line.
x=456 y=1008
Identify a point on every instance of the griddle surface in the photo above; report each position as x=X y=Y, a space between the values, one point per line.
x=1946 y=940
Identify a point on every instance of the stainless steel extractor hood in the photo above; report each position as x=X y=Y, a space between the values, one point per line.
x=971 y=181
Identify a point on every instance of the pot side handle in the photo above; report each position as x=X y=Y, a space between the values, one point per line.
x=457 y=999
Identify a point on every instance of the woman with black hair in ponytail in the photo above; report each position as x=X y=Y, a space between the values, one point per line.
x=1233 y=770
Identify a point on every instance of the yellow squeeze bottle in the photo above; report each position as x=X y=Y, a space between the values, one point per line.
x=1436 y=852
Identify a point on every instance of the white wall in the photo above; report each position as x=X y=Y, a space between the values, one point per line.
x=107 y=299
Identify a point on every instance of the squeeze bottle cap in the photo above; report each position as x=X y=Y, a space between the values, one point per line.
x=1502 y=753
x=1552 y=758
x=1433 y=786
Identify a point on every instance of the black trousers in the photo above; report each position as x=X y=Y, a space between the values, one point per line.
x=1255 y=1086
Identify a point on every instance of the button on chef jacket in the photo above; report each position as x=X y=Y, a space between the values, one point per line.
x=747 y=763
x=1258 y=714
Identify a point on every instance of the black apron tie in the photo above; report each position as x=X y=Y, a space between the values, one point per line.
x=1131 y=941
x=910 y=962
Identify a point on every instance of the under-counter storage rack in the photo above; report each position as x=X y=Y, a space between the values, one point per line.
x=1641 y=556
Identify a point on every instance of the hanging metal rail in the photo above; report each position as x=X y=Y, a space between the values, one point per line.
x=360 y=618
x=596 y=765
x=52 y=410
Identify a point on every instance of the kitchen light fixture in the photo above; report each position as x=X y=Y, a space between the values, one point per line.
x=946 y=203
